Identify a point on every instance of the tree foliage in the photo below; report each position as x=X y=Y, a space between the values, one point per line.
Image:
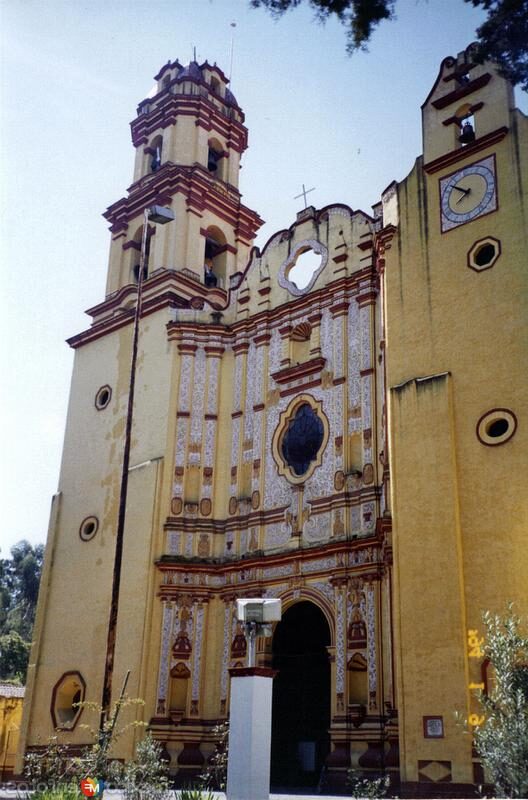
x=502 y=739
x=19 y=585
x=14 y=655
x=503 y=37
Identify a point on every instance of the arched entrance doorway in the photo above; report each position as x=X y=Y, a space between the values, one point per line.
x=301 y=697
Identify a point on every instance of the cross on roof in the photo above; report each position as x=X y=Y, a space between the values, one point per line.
x=303 y=194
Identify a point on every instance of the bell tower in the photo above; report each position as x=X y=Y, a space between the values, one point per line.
x=469 y=104
x=189 y=137
x=128 y=404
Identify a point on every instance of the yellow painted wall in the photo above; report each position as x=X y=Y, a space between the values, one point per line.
x=456 y=340
x=75 y=593
x=11 y=699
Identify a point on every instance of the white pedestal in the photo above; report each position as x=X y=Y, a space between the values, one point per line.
x=248 y=766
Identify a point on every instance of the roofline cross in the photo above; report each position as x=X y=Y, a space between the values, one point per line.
x=303 y=194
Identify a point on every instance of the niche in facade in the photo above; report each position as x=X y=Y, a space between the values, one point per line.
x=357 y=680
x=300 y=343
x=179 y=686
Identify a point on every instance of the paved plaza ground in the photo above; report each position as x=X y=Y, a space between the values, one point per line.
x=13 y=794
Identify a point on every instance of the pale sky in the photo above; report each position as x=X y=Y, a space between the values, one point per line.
x=73 y=72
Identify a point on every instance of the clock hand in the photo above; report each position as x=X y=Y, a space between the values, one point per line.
x=460 y=189
x=466 y=191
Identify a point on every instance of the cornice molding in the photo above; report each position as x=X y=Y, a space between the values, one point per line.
x=297 y=371
x=168 y=288
x=460 y=154
x=201 y=192
x=167 y=110
x=262 y=561
x=463 y=91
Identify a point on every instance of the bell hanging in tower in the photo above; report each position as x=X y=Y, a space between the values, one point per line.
x=467 y=134
x=212 y=160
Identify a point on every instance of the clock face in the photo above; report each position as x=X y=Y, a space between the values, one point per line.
x=468 y=193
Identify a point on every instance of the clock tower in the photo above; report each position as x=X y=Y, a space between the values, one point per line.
x=452 y=260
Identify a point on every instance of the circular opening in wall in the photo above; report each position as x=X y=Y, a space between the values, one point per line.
x=103 y=397
x=496 y=426
x=485 y=254
x=88 y=528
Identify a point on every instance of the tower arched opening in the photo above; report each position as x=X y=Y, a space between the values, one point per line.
x=153 y=155
x=215 y=159
x=467 y=131
x=135 y=257
x=215 y=257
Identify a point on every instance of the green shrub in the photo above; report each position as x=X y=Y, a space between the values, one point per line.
x=215 y=774
x=49 y=767
x=147 y=776
x=501 y=738
x=196 y=793
x=71 y=793
x=364 y=787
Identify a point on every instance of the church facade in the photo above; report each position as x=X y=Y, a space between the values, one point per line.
x=337 y=420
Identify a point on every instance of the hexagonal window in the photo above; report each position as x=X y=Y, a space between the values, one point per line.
x=103 y=397
x=484 y=254
x=68 y=693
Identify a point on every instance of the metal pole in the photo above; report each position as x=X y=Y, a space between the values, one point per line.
x=252 y=636
x=118 y=558
x=233 y=25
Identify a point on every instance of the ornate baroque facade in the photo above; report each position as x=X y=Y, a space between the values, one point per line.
x=267 y=421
